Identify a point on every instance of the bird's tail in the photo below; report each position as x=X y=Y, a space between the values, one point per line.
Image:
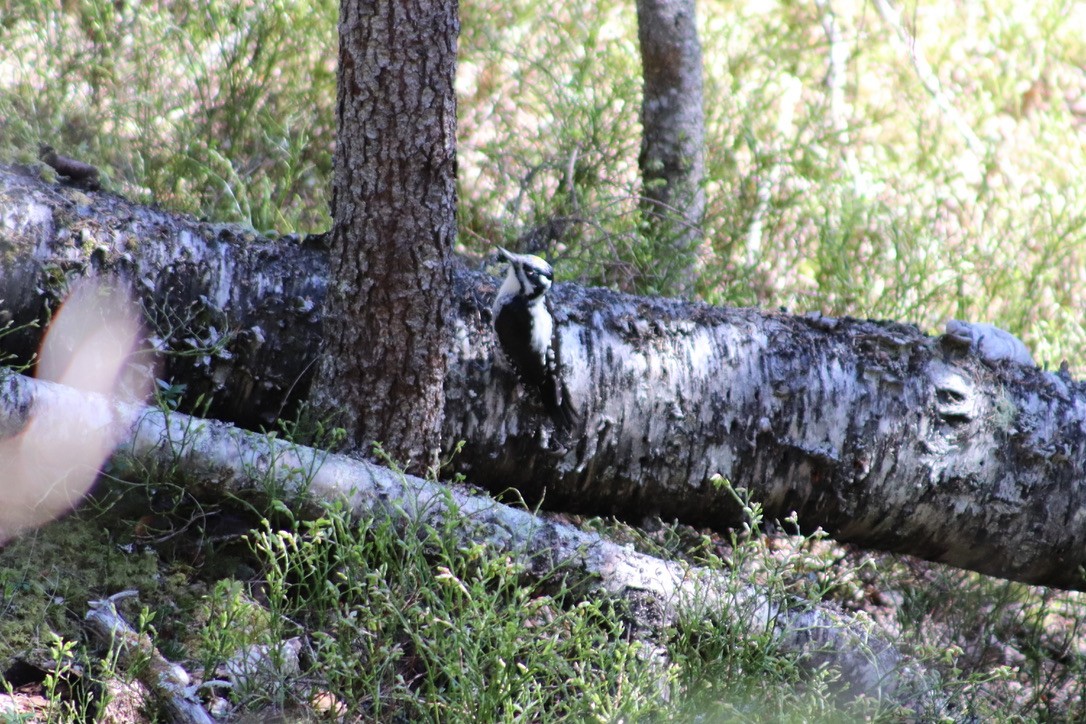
x=560 y=408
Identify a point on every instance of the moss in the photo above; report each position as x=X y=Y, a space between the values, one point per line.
x=48 y=575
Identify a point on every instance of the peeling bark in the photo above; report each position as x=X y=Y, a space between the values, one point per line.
x=240 y=313
x=394 y=211
x=875 y=432
x=661 y=594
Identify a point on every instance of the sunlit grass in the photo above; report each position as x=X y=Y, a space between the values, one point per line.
x=868 y=196
x=220 y=109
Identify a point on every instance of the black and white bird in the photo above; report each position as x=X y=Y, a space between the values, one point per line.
x=527 y=335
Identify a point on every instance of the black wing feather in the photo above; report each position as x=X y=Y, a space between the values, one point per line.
x=513 y=325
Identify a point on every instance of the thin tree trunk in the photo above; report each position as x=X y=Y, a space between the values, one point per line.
x=394 y=212
x=672 y=156
x=877 y=433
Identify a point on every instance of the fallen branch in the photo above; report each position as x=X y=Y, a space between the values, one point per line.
x=167 y=682
x=872 y=431
x=237 y=461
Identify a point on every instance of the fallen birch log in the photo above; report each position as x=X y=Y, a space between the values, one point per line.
x=954 y=448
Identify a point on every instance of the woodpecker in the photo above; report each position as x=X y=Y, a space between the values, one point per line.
x=527 y=335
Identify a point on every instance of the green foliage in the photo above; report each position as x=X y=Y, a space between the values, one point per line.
x=7 y=359
x=407 y=624
x=839 y=177
x=46 y=579
x=877 y=205
x=211 y=108
x=548 y=129
x=997 y=640
x=71 y=560
x=731 y=672
x=836 y=181
x=858 y=197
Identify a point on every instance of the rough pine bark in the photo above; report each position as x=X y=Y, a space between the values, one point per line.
x=880 y=434
x=672 y=159
x=394 y=214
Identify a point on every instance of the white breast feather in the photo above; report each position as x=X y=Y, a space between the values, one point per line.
x=542 y=325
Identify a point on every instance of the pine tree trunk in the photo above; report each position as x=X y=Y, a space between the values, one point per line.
x=394 y=214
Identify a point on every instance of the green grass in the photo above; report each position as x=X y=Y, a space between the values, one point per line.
x=869 y=203
x=219 y=109
x=406 y=622
x=405 y=626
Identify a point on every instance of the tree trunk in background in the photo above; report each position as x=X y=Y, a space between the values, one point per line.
x=879 y=434
x=394 y=214
x=673 y=132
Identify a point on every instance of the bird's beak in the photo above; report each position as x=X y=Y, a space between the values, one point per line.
x=505 y=254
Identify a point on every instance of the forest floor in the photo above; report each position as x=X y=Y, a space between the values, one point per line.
x=1003 y=650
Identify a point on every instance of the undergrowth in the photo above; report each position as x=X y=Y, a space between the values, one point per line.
x=914 y=163
x=331 y=616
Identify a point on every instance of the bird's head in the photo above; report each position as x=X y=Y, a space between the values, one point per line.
x=529 y=275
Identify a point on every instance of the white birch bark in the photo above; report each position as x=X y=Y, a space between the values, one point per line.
x=879 y=434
